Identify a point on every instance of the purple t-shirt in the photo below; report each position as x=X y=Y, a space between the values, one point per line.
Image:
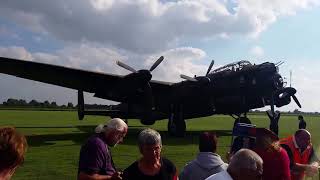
x=95 y=157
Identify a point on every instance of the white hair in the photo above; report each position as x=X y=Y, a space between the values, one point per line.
x=149 y=137
x=245 y=159
x=115 y=123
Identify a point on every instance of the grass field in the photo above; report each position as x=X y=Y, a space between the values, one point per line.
x=55 y=138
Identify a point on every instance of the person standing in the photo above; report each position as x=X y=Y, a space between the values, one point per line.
x=151 y=166
x=303 y=159
x=276 y=163
x=207 y=162
x=244 y=165
x=95 y=160
x=302 y=122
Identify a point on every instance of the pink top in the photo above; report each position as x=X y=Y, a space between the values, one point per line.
x=276 y=165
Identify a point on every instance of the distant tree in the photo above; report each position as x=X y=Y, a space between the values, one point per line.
x=22 y=102
x=53 y=104
x=46 y=104
x=296 y=111
x=12 y=102
x=70 y=105
x=34 y=103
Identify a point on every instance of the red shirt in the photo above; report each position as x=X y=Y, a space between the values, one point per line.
x=276 y=164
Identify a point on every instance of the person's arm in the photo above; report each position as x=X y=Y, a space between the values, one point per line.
x=84 y=176
x=304 y=167
x=312 y=167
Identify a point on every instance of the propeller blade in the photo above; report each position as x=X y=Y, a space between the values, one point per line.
x=125 y=66
x=156 y=63
x=210 y=67
x=296 y=100
x=188 y=78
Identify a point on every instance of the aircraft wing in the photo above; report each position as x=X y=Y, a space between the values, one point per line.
x=66 y=77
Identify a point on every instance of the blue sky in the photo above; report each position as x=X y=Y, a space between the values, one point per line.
x=92 y=34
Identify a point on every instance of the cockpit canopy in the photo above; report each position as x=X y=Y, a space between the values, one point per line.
x=236 y=66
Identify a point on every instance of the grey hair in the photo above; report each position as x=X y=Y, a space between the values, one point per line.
x=149 y=137
x=244 y=159
x=115 y=123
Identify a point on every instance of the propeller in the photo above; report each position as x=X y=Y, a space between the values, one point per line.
x=296 y=100
x=188 y=78
x=210 y=67
x=129 y=68
x=194 y=79
x=125 y=66
x=146 y=77
x=290 y=92
x=155 y=64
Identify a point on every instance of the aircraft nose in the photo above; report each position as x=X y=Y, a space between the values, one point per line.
x=278 y=81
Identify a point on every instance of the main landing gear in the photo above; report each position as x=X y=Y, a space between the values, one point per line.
x=176 y=123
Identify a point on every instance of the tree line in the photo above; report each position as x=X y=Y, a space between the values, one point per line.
x=21 y=103
x=35 y=104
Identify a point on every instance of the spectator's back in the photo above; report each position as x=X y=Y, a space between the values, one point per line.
x=207 y=161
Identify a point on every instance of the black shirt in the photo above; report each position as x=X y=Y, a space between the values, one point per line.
x=167 y=172
x=302 y=124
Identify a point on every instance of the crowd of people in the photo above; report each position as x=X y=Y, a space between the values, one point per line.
x=262 y=156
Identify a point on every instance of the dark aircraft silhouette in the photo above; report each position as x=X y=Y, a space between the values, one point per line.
x=233 y=89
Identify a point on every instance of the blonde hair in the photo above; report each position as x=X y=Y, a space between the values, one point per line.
x=268 y=144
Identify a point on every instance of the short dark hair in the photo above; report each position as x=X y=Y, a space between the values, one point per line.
x=300 y=117
x=13 y=146
x=208 y=142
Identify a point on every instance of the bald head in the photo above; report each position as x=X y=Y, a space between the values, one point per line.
x=245 y=164
x=303 y=138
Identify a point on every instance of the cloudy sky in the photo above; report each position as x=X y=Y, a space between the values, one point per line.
x=93 y=34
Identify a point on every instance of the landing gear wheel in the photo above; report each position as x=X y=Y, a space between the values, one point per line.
x=176 y=126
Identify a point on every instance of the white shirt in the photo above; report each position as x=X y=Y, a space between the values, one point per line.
x=223 y=175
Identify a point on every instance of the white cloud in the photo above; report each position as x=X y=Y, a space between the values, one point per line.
x=15 y=52
x=148 y=26
x=257 y=51
x=185 y=60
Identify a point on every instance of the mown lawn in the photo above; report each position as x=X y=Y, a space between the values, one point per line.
x=55 y=138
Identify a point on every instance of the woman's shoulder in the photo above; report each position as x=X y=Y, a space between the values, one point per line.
x=131 y=171
x=132 y=168
x=168 y=164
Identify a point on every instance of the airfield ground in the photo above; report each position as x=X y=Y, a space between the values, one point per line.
x=55 y=138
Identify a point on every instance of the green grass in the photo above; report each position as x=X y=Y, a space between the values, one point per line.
x=55 y=138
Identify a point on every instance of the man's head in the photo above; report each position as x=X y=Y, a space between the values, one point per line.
x=208 y=142
x=303 y=138
x=113 y=131
x=300 y=117
x=13 y=146
x=246 y=165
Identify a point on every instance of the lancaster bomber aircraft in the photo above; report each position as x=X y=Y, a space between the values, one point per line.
x=233 y=89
